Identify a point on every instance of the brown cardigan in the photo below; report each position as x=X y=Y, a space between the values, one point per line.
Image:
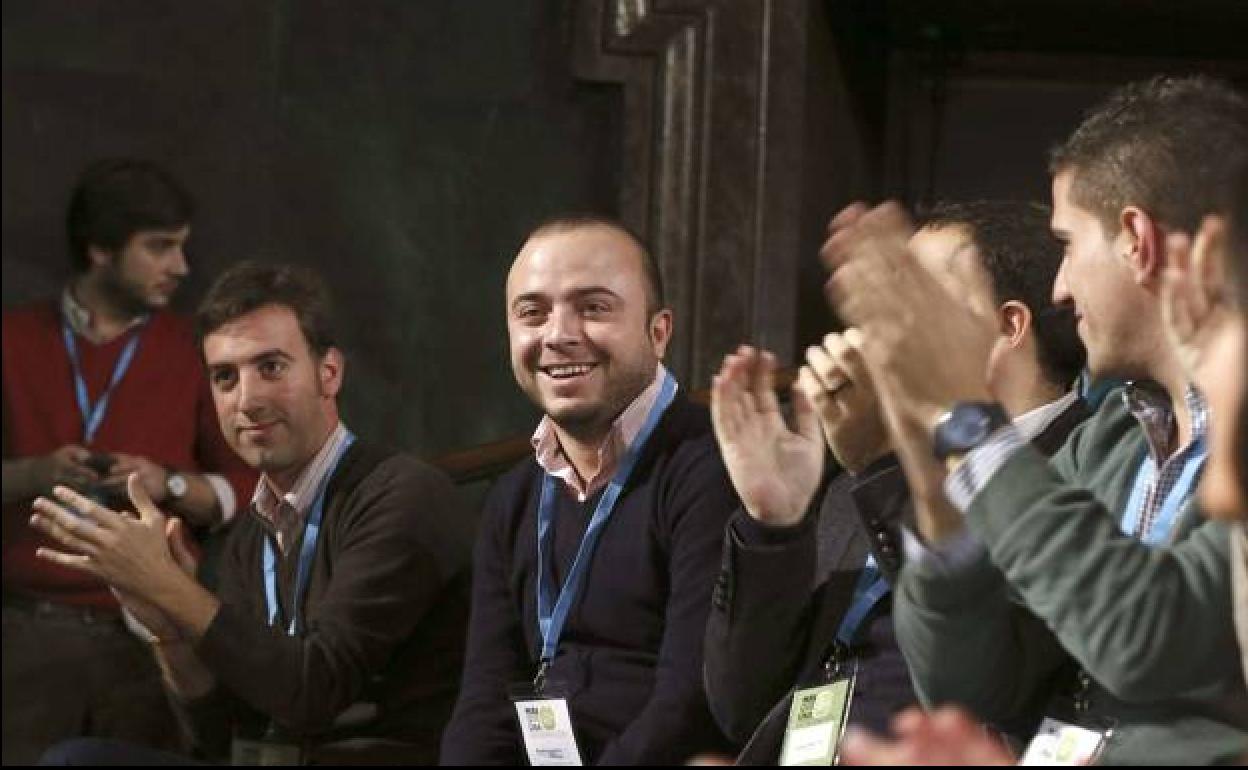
x=382 y=627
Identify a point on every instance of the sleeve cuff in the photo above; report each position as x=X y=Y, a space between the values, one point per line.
x=226 y=499
x=754 y=534
x=971 y=475
x=948 y=557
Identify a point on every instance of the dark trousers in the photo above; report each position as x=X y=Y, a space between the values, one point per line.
x=71 y=672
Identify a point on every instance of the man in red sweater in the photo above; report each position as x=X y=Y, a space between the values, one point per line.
x=99 y=383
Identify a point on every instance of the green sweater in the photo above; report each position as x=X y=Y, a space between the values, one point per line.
x=1151 y=625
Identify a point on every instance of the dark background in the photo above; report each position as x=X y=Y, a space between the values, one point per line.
x=404 y=147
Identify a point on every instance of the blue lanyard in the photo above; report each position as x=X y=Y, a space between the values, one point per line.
x=870 y=588
x=1179 y=494
x=311 y=532
x=550 y=620
x=93 y=416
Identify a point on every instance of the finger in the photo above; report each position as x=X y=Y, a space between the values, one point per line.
x=180 y=545
x=86 y=507
x=728 y=411
x=142 y=500
x=860 y=747
x=77 y=453
x=1209 y=251
x=850 y=360
x=80 y=562
x=847 y=216
x=824 y=368
x=64 y=532
x=764 y=384
x=808 y=425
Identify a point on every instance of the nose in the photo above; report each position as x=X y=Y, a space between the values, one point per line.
x=1061 y=292
x=178 y=264
x=251 y=394
x=563 y=329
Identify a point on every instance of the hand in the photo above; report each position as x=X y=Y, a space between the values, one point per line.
x=148 y=615
x=933 y=349
x=1193 y=306
x=153 y=477
x=946 y=736
x=775 y=470
x=67 y=465
x=836 y=381
x=126 y=551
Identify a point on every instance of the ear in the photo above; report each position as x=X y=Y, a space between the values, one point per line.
x=660 y=331
x=329 y=372
x=99 y=257
x=1014 y=321
x=1144 y=243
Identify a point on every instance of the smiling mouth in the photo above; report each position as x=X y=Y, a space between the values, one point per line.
x=566 y=371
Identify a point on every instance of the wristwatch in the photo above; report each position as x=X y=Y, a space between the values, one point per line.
x=176 y=485
x=964 y=427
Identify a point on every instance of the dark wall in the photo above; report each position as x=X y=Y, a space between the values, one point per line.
x=401 y=147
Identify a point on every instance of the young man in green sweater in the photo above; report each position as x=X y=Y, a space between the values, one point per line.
x=1099 y=598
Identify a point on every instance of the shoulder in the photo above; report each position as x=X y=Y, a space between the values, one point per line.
x=1104 y=430
x=509 y=496
x=173 y=328
x=31 y=318
x=382 y=490
x=685 y=443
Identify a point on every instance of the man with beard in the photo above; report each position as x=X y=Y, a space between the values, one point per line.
x=86 y=379
x=596 y=557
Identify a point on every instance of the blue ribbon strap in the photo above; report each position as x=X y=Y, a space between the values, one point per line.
x=553 y=615
x=311 y=533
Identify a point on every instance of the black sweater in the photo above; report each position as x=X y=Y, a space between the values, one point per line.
x=383 y=621
x=631 y=652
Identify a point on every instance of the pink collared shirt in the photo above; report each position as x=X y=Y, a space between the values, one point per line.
x=623 y=431
x=285 y=513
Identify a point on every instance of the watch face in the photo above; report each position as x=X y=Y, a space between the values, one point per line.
x=176 y=484
x=970 y=425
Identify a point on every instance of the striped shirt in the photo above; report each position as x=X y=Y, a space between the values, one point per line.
x=283 y=514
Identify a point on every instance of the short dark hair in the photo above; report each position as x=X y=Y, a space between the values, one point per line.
x=1165 y=145
x=1021 y=258
x=250 y=286
x=563 y=223
x=117 y=197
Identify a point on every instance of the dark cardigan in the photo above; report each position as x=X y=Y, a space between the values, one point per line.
x=631 y=654
x=382 y=624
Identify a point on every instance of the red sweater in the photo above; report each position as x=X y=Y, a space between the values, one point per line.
x=162 y=410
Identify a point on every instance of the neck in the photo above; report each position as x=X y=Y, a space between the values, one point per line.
x=109 y=317
x=583 y=448
x=1170 y=375
x=284 y=480
x=1024 y=387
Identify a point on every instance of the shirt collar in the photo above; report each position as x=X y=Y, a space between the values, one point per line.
x=1036 y=421
x=1151 y=407
x=623 y=432
x=79 y=316
x=285 y=513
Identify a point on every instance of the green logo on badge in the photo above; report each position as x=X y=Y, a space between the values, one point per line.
x=546 y=716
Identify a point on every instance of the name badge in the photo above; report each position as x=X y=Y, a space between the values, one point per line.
x=1059 y=743
x=546 y=727
x=816 y=721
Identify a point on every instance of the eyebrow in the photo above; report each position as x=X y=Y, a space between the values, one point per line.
x=258 y=357
x=536 y=296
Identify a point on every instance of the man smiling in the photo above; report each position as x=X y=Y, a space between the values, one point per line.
x=596 y=557
x=337 y=630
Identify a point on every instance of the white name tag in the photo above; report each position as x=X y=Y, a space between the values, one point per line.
x=816 y=721
x=547 y=730
x=1062 y=744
